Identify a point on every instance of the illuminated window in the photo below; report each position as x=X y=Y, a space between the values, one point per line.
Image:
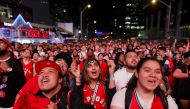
x=127 y=22
x=142 y=27
x=128 y=26
x=128 y=4
x=127 y=18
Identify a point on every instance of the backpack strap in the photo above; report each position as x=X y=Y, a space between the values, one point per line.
x=69 y=99
x=128 y=97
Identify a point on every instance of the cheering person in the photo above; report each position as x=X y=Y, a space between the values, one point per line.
x=90 y=91
x=143 y=91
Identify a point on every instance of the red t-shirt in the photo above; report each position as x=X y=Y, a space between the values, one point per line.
x=100 y=99
x=28 y=70
x=156 y=104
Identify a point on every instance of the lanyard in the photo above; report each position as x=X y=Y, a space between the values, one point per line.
x=95 y=92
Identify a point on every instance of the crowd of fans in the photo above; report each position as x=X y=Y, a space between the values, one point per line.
x=109 y=74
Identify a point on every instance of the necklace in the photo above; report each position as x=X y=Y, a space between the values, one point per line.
x=5 y=59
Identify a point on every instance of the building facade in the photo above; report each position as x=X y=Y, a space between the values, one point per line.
x=128 y=17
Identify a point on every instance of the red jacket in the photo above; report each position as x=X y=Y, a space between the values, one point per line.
x=27 y=99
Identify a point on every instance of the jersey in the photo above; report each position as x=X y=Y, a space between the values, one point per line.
x=28 y=70
x=100 y=99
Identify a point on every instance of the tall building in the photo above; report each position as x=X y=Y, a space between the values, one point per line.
x=5 y=10
x=10 y=9
x=129 y=17
x=59 y=10
x=40 y=11
x=134 y=17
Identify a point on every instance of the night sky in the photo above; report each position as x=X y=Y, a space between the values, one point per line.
x=100 y=11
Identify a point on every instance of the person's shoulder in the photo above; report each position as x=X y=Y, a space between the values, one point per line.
x=14 y=60
x=180 y=66
x=30 y=86
x=120 y=73
x=119 y=98
x=171 y=103
x=121 y=92
x=120 y=70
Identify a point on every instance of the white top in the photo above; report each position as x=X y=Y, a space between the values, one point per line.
x=82 y=55
x=122 y=78
x=41 y=53
x=96 y=54
x=119 y=101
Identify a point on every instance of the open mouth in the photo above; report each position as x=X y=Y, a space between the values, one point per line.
x=94 y=73
x=134 y=62
x=152 y=82
x=45 y=80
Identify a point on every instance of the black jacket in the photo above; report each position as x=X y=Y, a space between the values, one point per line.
x=13 y=80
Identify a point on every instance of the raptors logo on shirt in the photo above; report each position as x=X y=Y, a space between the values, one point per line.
x=100 y=99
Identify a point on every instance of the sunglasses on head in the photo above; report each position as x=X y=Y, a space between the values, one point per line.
x=91 y=61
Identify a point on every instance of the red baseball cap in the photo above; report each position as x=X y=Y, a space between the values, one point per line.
x=46 y=63
x=6 y=41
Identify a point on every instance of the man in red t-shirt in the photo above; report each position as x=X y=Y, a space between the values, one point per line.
x=27 y=64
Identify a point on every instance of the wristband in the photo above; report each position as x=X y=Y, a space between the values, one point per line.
x=112 y=78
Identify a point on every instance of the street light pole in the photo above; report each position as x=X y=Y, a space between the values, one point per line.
x=81 y=23
x=81 y=13
x=169 y=14
x=169 y=17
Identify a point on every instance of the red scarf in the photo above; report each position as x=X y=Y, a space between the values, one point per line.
x=156 y=104
x=100 y=99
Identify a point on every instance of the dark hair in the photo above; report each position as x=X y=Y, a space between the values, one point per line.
x=133 y=81
x=130 y=51
x=142 y=61
x=162 y=48
x=84 y=72
x=65 y=56
x=129 y=46
x=100 y=54
x=186 y=54
x=117 y=57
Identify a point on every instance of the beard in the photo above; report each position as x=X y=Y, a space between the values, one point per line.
x=131 y=67
x=3 y=52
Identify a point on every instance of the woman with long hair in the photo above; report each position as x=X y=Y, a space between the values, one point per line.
x=144 y=91
x=90 y=91
x=119 y=60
